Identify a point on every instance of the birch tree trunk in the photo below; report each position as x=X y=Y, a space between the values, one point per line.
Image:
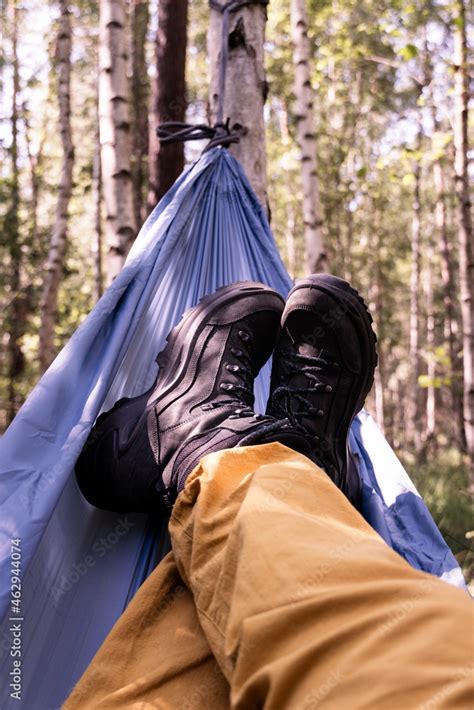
x=114 y=127
x=466 y=255
x=140 y=14
x=452 y=326
x=245 y=87
x=168 y=96
x=57 y=249
x=315 y=254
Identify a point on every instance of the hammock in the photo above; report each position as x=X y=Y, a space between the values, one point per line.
x=80 y=566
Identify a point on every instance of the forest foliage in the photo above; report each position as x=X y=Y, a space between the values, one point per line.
x=383 y=80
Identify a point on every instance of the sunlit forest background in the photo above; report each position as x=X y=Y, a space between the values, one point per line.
x=385 y=78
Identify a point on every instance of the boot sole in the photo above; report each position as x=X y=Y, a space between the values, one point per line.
x=173 y=360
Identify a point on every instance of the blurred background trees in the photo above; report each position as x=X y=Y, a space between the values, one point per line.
x=367 y=128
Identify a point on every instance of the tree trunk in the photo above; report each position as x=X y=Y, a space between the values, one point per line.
x=140 y=14
x=466 y=263
x=413 y=409
x=97 y=197
x=168 y=96
x=375 y=294
x=315 y=255
x=430 y=426
x=34 y=161
x=379 y=389
x=290 y=241
x=16 y=361
x=245 y=87
x=114 y=126
x=57 y=249
x=449 y=299
x=451 y=323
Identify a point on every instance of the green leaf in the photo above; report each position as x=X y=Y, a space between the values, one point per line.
x=409 y=51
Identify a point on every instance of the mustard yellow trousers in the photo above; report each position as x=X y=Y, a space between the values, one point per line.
x=278 y=595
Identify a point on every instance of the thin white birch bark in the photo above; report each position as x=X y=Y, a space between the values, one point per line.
x=315 y=255
x=245 y=88
x=57 y=249
x=466 y=249
x=114 y=129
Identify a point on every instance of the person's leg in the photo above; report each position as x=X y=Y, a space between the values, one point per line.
x=156 y=657
x=202 y=401
x=301 y=601
x=303 y=604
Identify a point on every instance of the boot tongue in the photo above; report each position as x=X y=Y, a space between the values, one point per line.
x=317 y=398
x=329 y=355
x=307 y=350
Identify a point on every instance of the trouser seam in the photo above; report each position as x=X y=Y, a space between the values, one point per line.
x=198 y=607
x=209 y=618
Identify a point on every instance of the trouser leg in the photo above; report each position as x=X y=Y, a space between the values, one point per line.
x=302 y=602
x=156 y=657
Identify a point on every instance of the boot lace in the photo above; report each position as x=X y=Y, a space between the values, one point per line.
x=240 y=393
x=285 y=398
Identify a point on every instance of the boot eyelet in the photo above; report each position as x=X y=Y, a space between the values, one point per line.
x=236 y=352
x=227 y=386
x=320 y=413
x=244 y=336
x=328 y=388
x=232 y=368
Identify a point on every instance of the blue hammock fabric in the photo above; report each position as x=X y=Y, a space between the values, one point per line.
x=80 y=566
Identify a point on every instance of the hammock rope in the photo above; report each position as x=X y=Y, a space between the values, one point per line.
x=221 y=133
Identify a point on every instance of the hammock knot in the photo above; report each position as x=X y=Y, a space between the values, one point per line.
x=221 y=134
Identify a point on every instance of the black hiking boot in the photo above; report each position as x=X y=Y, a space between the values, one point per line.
x=323 y=369
x=140 y=453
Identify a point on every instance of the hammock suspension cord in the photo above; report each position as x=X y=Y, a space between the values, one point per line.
x=221 y=133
